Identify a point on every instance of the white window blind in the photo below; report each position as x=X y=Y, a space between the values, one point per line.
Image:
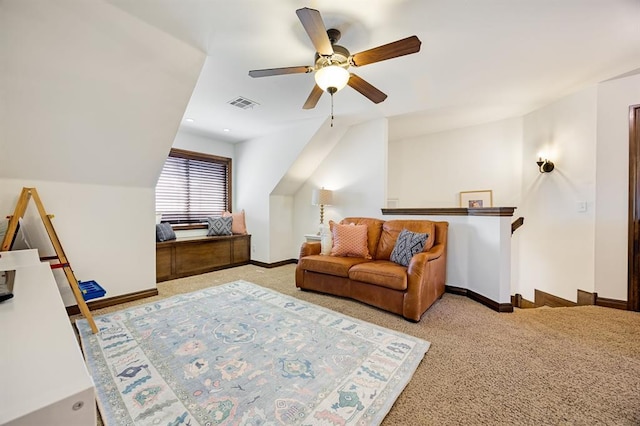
x=193 y=186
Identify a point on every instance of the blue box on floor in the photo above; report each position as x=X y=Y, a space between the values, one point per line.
x=91 y=290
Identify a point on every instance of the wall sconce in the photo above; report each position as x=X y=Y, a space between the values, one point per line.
x=545 y=166
x=321 y=197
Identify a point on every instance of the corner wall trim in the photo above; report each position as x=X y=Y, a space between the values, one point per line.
x=111 y=301
x=274 y=264
x=498 y=307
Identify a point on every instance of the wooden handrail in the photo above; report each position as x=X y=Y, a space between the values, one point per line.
x=517 y=224
x=450 y=211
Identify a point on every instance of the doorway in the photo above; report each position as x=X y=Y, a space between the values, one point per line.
x=633 y=298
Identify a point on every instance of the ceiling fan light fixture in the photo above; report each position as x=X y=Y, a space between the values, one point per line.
x=332 y=77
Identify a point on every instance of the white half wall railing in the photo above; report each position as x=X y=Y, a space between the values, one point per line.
x=478 y=250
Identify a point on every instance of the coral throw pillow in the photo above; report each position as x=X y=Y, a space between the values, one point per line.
x=349 y=240
x=238 y=225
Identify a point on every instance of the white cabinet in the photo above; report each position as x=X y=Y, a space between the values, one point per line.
x=43 y=377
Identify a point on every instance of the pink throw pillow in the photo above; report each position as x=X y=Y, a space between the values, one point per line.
x=349 y=240
x=238 y=225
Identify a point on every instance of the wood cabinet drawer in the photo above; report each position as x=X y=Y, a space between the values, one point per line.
x=197 y=255
x=193 y=258
x=241 y=250
x=164 y=260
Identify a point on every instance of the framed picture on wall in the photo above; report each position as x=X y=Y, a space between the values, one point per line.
x=476 y=199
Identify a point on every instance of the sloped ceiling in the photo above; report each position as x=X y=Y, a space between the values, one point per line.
x=89 y=93
x=480 y=61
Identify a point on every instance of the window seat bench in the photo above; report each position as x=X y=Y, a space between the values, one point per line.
x=196 y=255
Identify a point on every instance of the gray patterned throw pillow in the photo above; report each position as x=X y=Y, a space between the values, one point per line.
x=408 y=244
x=219 y=226
x=164 y=232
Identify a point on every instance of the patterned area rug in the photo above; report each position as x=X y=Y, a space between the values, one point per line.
x=243 y=354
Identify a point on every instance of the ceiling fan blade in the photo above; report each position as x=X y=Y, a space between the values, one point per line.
x=280 y=71
x=313 y=98
x=374 y=95
x=313 y=24
x=406 y=46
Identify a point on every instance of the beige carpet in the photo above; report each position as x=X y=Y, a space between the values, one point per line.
x=547 y=366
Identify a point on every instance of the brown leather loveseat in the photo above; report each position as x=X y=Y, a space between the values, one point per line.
x=407 y=291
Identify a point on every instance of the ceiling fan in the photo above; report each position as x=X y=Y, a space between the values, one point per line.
x=333 y=60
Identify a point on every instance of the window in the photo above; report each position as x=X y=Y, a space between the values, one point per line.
x=193 y=186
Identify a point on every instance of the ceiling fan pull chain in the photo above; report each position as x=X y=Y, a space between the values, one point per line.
x=331 y=109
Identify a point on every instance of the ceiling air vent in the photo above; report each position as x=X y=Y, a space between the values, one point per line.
x=243 y=103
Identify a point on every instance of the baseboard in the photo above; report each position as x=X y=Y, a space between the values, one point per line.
x=274 y=264
x=520 y=302
x=542 y=298
x=455 y=290
x=111 y=301
x=498 y=307
x=612 y=303
x=585 y=298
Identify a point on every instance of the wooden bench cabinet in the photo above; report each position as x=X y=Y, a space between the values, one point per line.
x=197 y=255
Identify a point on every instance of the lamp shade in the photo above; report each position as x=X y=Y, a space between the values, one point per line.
x=322 y=197
x=332 y=76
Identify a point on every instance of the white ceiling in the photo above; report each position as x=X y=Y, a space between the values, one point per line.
x=480 y=61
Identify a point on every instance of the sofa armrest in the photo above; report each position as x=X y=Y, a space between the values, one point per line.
x=419 y=261
x=425 y=281
x=310 y=248
x=435 y=252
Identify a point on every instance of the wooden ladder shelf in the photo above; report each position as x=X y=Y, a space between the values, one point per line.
x=23 y=202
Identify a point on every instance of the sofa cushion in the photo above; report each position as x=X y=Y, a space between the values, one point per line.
x=338 y=266
x=407 y=244
x=349 y=240
x=374 y=228
x=391 y=230
x=382 y=273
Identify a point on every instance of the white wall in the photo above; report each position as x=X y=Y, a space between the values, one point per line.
x=614 y=99
x=356 y=171
x=554 y=250
x=557 y=241
x=88 y=115
x=431 y=170
x=103 y=237
x=260 y=165
x=203 y=144
x=280 y=227
x=84 y=102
